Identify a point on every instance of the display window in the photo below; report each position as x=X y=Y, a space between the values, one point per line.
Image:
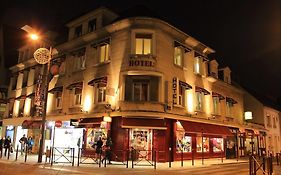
x=205 y=144
x=141 y=139
x=93 y=135
x=183 y=142
x=217 y=144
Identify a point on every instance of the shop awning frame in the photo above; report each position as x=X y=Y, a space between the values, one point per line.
x=145 y=123
x=75 y=85
x=100 y=80
x=205 y=129
x=56 y=89
x=214 y=94
x=90 y=122
x=231 y=100
x=199 y=89
x=185 y=85
x=32 y=124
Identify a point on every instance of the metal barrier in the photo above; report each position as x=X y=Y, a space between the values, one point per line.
x=87 y=157
x=143 y=158
x=264 y=165
x=62 y=155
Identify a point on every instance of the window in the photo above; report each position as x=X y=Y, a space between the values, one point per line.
x=143 y=44
x=104 y=53
x=197 y=65
x=205 y=144
x=216 y=105
x=77 y=96
x=217 y=144
x=268 y=120
x=274 y=122
x=78 y=31
x=80 y=62
x=199 y=99
x=229 y=107
x=140 y=91
x=92 y=25
x=58 y=100
x=178 y=56
x=181 y=95
x=184 y=142
x=101 y=94
x=141 y=140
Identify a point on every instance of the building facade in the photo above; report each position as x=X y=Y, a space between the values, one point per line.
x=140 y=81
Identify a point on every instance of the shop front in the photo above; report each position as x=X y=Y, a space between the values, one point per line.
x=199 y=140
x=31 y=128
x=232 y=144
x=251 y=142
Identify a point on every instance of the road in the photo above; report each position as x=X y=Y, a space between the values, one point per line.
x=15 y=168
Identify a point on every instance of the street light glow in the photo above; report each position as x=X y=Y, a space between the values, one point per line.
x=34 y=36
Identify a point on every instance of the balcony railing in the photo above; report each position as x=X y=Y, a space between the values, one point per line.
x=142 y=60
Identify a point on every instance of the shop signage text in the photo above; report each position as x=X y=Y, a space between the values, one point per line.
x=175 y=90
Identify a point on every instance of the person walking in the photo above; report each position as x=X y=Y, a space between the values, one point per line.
x=1 y=145
x=107 y=149
x=99 y=147
x=7 y=145
x=30 y=143
x=23 y=142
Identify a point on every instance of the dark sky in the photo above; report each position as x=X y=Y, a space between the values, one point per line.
x=244 y=33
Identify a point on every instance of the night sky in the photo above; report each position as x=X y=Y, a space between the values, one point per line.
x=244 y=33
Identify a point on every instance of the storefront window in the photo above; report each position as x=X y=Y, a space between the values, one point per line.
x=183 y=142
x=141 y=139
x=205 y=144
x=93 y=135
x=217 y=144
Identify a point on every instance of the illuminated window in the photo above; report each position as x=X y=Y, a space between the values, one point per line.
x=104 y=53
x=199 y=99
x=181 y=95
x=184 y=142
x=101 y=94
x=80 y=62
x=77 y=96
x=178 y=56
x=143 y=44
x=229 y=107
x=206 y=145
x=197 y=65
x=216 y=105
x=58 y=100
x=92 y=25
x=217 y=144
x=140 y=91
x=268 y=120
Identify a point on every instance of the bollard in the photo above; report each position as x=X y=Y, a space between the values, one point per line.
x=78 y=158
x=73 y=153
x=132 y=157
x=170 y=157
x=277 y=158
x=155 y=160
x=263 y=163
x=250 y=165
x=127 y=165
x=192 y=157
x=17 y=151
x=52 y=156
x=9 y=149
x=255 y=167
x=181 y=158
x=222 y=156
x=25 y=157
x=100 y=160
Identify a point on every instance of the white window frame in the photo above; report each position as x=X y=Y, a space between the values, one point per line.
x=197 y=67
x=216 y=105
x=106 y=55
x=143 y=41
x=178 y=55
x=143 y=31
x=199 y=101
x=58 y=100
x=229 y=109
x=102 y=94
x=77 y=97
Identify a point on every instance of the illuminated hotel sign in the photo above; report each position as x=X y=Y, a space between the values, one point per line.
x=248 y=115
x=175 y=86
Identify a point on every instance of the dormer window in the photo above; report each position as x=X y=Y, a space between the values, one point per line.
x=178 y=56
x=78 y=31
x=143 y=44
x=92 y=26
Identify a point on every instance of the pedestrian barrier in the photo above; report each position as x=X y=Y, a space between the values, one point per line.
x=143 y=158
x=86 y=156
x=62 y=155
x=263 y=165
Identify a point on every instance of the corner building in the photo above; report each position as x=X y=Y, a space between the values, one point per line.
x=145 y=84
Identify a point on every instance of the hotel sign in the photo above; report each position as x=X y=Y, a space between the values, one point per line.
x=175 y=87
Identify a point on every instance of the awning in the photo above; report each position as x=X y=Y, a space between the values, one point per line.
x=90 y=122
x=31 y=124
x=75 y=85
x=145 y=123
x=185 y=85
x=101 y=42
x=199 y=89
x=100 y=80
x=206 y=129
x=22 y=97
x=214 y=94
x=179 y=44
x=231 y=100
x=56 y=89
x=30 y=95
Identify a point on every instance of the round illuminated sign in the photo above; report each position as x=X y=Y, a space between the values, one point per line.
x=42 y=55
x=58 y=123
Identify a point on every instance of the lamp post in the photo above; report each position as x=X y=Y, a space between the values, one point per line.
x=42 y=56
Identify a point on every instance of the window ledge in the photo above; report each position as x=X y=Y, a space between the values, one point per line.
x=102 y=63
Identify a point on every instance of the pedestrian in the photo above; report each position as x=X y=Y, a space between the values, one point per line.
x=23 y=142
x=30 y=143
x=99 y=147
x=1 y=145
x=107 y=149
x=7 y=145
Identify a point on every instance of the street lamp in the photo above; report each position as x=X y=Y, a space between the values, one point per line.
x=42 y=56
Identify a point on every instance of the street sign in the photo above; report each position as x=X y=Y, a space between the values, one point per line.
x=58 y=123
